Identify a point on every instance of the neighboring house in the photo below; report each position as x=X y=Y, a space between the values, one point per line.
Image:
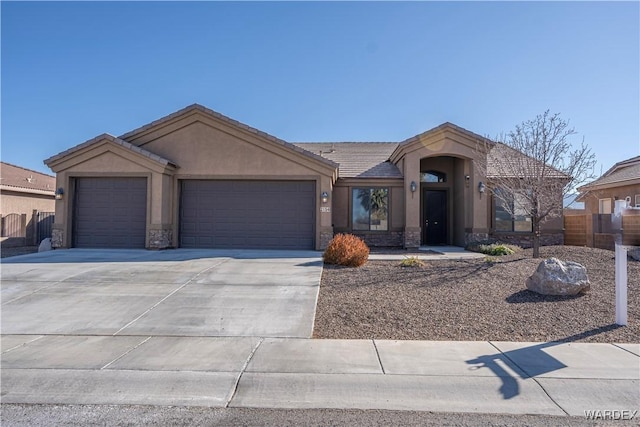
x=621 y=182
x=198 y=179
x=23 y=191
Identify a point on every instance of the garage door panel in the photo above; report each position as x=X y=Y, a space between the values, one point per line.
x=110 y=212
x=247 y=214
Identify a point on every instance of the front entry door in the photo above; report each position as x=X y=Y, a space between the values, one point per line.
x=434 y=208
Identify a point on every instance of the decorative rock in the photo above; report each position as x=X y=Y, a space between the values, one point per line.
x=555 y=277
x=45 y=245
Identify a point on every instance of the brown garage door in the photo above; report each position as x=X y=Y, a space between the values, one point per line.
x=247 y=214
x=110 y=213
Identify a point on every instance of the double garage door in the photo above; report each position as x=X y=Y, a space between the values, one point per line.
x=112 y=213
x=247 y=214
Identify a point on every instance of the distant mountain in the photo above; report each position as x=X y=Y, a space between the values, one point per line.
x=570 y=202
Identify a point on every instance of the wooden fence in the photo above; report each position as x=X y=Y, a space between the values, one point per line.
x=598 y=230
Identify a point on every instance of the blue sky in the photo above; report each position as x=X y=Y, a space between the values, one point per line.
x=330 y=71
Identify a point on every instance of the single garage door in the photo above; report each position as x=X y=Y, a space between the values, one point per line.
x=248 y=214
x=110 y=213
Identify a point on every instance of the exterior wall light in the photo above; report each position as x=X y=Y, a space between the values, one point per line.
x=481 y=188
x=467 y=177
x=59 y=193
x=413 y=186
x=324 y=197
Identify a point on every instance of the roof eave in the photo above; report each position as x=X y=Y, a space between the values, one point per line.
x=27 y=190
x=59 y=158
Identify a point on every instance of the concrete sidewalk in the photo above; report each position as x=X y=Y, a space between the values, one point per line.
x=429 y=253
x=478 y=377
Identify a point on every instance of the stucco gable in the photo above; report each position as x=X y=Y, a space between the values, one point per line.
x=198 y=113
x=205 y=149
x=108 y=143
x=465 y=139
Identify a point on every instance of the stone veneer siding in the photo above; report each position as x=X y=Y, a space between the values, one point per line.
x=325 y=238
x=475 y=237
x=412 y=238
x=160 y=239
x=390 y=239
x=525 y=240
x=57 y=238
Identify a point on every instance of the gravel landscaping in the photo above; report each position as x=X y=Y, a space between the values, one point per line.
x=474 y=300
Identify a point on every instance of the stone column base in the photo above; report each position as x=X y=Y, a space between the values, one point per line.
x=325 y=239
x=412 y=238
x=160 y=239
x=57 y=238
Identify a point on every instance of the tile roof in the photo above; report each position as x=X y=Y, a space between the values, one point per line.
x=115 y=140
x=27 y=179
x=621 y=172
x=506 y=162
x=210 y=112
x=357 y=159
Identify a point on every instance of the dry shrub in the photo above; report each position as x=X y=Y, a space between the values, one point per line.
x=411 y=261
x=346 y=249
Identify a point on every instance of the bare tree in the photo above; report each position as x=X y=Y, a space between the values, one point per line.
x=532 y=168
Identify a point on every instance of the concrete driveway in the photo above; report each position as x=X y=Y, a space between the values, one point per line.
x=201 y=293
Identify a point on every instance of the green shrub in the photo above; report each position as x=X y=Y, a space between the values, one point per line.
x=498 y=249
x=347 y=250
x=411 y=261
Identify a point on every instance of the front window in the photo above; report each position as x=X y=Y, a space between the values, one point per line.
x=370 y=209
x=511 y=213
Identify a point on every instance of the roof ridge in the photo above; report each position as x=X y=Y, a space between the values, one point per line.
x=26 y=169
x=227 y=119
x=345 y=142
x=443 y=126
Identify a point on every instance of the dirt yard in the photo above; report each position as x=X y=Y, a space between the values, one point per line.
x=474 y=300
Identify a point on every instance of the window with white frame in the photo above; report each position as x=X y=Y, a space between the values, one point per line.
x=637 y=202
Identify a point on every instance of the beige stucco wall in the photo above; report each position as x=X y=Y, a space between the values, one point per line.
x=591 y=200
x=18 y=202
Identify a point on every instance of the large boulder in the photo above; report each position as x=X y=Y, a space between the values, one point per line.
x=45 y=245
x=555 y=277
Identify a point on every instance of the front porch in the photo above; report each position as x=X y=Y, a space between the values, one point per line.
x=442 y=208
